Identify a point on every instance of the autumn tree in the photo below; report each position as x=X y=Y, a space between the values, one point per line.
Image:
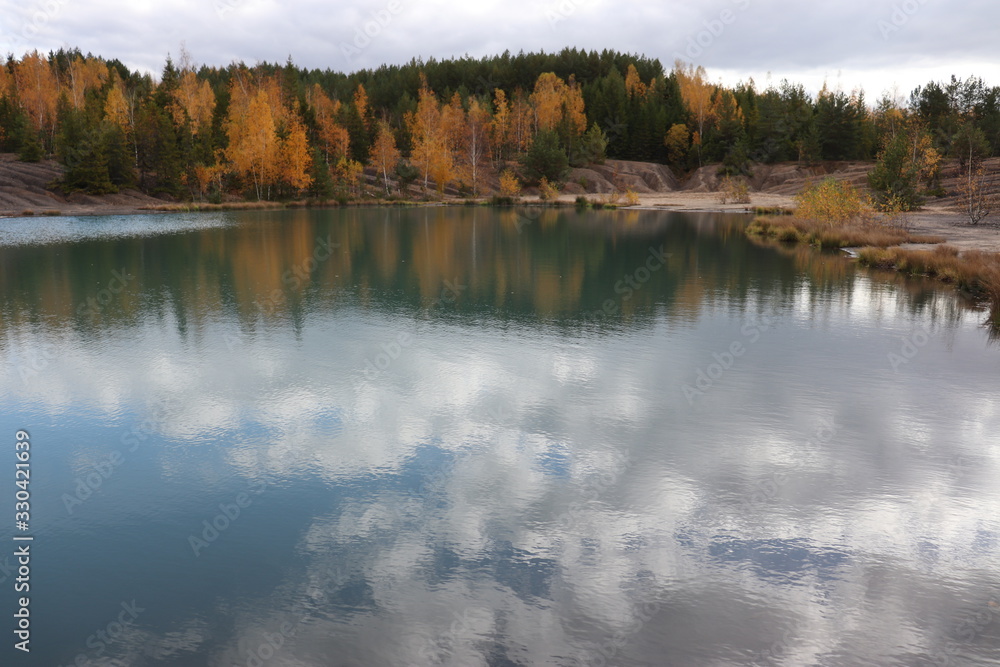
x=633 y=83
x=384 y=155
x=37 y=91
x=430 y=150
x=333 y=137
x=85 y=74
x=477 y=134
x=547 y=101
x=500 y=128
x=677 y=141
x=194 y=100
x=250 y=129
x=697 y=95
x=294 y=160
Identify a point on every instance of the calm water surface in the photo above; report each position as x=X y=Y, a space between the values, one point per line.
x=469 y=437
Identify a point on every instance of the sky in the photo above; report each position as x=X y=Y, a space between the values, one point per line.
x=883 y=46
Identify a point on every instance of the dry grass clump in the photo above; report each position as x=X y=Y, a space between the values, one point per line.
x=823 y=235
x=833 y=214
x=974 y=271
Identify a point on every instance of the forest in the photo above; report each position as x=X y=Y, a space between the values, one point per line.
x=278 y=132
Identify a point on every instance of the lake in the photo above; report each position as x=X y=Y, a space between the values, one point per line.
x=467 y=436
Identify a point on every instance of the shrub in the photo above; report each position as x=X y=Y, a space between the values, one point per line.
x=631 y=197
x=509 y=185
x=734 y=190
x=831 y=201
x=895 y=175
x=547 y=191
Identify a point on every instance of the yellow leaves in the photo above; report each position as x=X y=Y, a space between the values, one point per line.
x=509 y=185
x=441 y=165
x=335 y=139
x=348 y=172
x=696 y=92
x=37 y=89
x=676 y=141
x=117 y=108
x=573 y=108
x=84 y=74
x=255 y=150
x=831 y=201
x=500 y=128
x=520 y=125
x=195 y=99
x=725 y=108
x=430 y=147
x=205 y=175
x=383 y=154
x=453 y=123
x=633 y=84
x=293 y=157
x=547 y=101
x=252 y=138
x=554 y=101
x=926 y=158
x=477 y=139
x=361 y=104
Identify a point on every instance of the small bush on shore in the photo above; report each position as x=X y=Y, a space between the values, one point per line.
x=510 y=187
x=547 y=191
x=734 y=190
x=833 y=202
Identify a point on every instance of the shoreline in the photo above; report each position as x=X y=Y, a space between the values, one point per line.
x=936 y=220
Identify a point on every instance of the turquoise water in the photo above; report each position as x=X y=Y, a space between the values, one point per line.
x=456 y=436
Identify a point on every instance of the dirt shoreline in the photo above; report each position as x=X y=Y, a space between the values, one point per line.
x=931 y=220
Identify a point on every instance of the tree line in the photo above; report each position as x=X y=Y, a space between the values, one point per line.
x=275 y=131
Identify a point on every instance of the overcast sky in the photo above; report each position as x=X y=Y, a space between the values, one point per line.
x=876 y=44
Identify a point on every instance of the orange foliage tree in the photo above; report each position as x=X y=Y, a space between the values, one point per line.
x=83 y=75
x=195 y=99
x=430 y=150
x=334 y=139
x=253 y=142
x=38 y=91
x=697 y=95
x=384 y=155
x=476 y=139
x=294 y=160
